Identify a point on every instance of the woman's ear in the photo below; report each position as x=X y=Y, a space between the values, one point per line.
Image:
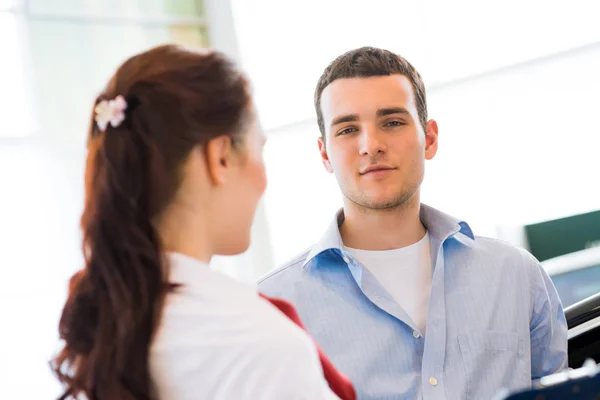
x=219 y=153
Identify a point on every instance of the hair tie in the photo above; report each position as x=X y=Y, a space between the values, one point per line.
x=110 y=112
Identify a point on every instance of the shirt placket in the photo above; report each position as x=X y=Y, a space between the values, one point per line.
x=432 y=369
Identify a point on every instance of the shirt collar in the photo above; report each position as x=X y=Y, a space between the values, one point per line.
x=196 y=275
x=185 y=270
x=440 y=226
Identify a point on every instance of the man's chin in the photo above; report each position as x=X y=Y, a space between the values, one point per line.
x=380 y=204
x=383 y=202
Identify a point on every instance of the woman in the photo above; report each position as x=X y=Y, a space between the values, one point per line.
x=174 y=174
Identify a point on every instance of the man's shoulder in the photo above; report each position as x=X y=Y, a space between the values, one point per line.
x=288 y=270
x=504 y=257
x=503 y=249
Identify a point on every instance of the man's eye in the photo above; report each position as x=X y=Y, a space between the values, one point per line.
x=346 y=131
x=395 y=123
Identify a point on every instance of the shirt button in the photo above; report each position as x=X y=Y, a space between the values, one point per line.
x=432 y=381
x=346 y=260
x=416 y=334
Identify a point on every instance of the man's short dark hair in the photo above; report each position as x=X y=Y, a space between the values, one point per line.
x=367 y=62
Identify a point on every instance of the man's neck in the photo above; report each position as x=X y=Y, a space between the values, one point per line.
x=382 y=229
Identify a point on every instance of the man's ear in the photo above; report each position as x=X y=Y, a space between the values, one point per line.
x=324 y=155
x=431 y=139
x=219 y=153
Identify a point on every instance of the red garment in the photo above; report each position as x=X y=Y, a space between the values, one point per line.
x=338 y=383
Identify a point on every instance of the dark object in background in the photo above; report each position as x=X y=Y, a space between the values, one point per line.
x=581 y=389
x=583 y=320
x=557 y=237
x=578 y=384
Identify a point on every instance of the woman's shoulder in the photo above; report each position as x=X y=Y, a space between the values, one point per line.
x=245 y=340
x=229 y=309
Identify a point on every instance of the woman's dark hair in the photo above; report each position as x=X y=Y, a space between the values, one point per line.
x=177 y=100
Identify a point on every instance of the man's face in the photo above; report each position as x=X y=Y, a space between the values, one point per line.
x=374 y=143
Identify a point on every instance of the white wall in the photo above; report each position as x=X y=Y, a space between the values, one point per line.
x=301 y=197
x=446 y=40
x=39 y=243
x=521 y=145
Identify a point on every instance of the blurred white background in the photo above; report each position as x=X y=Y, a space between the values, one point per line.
x=514 y=86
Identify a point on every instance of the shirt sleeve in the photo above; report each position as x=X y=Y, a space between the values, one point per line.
x=548 y=327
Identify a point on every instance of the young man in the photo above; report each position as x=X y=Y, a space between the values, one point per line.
x=405 y=299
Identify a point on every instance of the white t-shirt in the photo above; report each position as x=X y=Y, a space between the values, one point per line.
x=405 y=274
x=219 y=340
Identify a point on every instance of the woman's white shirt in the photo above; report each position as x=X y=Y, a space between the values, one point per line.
x=219 y=340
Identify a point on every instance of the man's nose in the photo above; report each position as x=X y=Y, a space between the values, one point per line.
x=372 y=142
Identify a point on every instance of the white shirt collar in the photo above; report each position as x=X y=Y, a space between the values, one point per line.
x=195 y=275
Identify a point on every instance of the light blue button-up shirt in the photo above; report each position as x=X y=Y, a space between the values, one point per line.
x=494 y=321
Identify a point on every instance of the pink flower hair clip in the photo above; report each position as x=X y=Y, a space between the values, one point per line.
x=110 y=112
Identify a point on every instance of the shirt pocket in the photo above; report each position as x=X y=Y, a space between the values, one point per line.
x=492 y=360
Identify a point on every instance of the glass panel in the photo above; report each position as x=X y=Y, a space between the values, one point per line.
x=72 y=62
x=577 y=285
x=121 y=8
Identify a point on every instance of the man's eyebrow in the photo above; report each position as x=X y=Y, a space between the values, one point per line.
x=382 y=112
x=344 y=118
